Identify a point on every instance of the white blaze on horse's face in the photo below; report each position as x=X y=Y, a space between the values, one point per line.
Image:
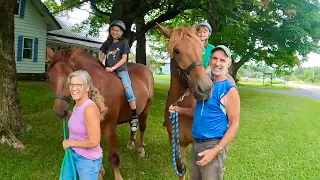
x=78 y=89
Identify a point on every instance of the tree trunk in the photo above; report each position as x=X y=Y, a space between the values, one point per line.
x=141 y=56
x=11 y=121
x=212 y=14
x=235 y=67
x=233 y=71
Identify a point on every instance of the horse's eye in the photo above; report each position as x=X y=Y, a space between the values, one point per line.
x=176 y=51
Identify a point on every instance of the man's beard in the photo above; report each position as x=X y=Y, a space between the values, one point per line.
x=219 y=73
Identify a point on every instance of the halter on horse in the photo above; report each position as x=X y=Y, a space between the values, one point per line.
x=67 y=61
x=187 y=71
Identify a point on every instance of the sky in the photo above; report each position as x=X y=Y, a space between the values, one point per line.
x=77 y=16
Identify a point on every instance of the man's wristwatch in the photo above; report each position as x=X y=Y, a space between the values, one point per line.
x=219 y=149
x=113 y=68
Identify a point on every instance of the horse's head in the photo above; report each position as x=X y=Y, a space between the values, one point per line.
x=58 y=74
x=185 y=51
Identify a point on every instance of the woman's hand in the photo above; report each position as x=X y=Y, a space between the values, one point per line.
x=173 y=109
x=66 y=144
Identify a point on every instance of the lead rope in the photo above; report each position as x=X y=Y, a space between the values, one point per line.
x=176 y=153
x=67 y=158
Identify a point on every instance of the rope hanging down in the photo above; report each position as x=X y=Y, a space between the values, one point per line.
x=176 y=153
x=67 y=162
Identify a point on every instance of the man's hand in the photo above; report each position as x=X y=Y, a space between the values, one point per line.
x=173 y=109
x=108 y=69
x=208 y=156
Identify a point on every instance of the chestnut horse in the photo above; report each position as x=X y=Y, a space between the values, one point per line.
x=187 y=72
x=67 y=61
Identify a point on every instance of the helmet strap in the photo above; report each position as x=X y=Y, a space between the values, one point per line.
x=117 y=38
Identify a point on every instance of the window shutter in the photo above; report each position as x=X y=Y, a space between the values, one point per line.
x=22 y=8
x=19 y=52
x=35 y=50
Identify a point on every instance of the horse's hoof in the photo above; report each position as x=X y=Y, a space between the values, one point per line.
x=130 y=145
x=119 y=178
x=100 y=177
x=141 y=152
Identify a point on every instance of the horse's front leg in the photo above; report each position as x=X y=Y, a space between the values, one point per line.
x=110 y=134
x=184 y=159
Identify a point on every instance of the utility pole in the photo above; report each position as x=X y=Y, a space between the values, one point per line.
x=313 y=74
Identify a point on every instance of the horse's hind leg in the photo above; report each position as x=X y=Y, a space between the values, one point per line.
x=143 y=125
x=132 y=139
x=110 y=134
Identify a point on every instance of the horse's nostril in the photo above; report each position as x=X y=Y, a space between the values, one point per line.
x=200 y=89
x=65 y=113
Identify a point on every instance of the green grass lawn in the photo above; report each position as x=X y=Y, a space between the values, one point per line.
x=278 y=139
x=161 y=77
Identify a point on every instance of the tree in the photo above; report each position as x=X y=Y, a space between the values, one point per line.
x=131 y=12
x=11 y=121
x=274 y=32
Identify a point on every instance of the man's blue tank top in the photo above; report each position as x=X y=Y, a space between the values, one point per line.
x=210 y=116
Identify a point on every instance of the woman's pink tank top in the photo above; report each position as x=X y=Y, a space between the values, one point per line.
x=78 y=131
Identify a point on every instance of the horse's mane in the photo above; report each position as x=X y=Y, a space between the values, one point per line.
x=178 y=34
x=65 y=55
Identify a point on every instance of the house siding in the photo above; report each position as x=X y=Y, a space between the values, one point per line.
x=32 y=25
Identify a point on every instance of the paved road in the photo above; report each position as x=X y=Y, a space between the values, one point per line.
x=309 y=91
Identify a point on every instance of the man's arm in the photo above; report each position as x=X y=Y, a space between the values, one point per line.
x=183 y=111
x=232 y=104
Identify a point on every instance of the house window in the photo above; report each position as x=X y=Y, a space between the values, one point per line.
x=17 y=8
x=27 y=48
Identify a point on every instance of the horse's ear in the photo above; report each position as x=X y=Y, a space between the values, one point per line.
x=166 y=31
x=50 y=52
x=193 y=28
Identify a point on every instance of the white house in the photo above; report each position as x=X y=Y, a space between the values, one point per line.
x=165 y=69
x=32 y=21
x=35 y=28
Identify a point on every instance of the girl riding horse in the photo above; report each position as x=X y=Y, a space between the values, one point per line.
x=115 y=51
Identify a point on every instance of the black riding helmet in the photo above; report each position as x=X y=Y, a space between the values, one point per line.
x=118 y=23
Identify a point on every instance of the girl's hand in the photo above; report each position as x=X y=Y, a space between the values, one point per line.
x=108 y=69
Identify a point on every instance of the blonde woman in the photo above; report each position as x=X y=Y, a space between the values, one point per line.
x=84 y=125
x=204 y=31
